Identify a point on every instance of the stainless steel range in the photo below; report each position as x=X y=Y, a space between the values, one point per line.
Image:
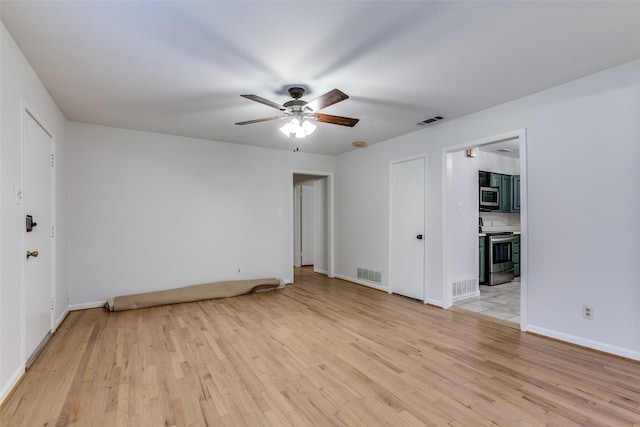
x=500 y=259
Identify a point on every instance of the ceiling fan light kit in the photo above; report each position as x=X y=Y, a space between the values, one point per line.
x=298 y=127
x=301 y=113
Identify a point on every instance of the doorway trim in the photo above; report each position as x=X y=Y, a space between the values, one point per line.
x=330 y=217
x=29 y=111
x=521 y=135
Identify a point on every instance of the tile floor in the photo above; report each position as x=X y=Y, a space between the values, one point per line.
x=500 y=301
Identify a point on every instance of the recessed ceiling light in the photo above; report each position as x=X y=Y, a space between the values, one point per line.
x=359 y=144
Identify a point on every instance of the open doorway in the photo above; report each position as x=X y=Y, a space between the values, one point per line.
x=312 y=225
x=486 y=231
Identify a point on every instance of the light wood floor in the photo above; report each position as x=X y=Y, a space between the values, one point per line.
x=320 y=352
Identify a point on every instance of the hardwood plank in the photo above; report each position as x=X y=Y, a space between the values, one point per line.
x=319 y=352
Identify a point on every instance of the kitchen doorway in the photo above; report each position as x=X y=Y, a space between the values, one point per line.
x=490 y=281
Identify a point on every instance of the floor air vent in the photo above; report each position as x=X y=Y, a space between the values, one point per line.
x=464 y=288
x=370 y=275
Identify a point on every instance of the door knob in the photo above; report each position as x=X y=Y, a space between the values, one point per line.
x=32 y=254
x=419 y=237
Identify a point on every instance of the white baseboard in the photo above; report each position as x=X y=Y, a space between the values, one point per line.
x=435 y=302
x=86 y=305
x=475 y=294
x=13 y=381
x=325 y=272
x=60 y=319
x=596 y=345
x=362 y=282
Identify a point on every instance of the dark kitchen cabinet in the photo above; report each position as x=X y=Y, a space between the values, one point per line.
x=503 y=182
x=481 y=260
x=516 y=255
x=515 y=193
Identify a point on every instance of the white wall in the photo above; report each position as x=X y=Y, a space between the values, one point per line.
x=496 y=163
x=583 y=199
x=462 y=215
x=19 y=86
x=150 y=211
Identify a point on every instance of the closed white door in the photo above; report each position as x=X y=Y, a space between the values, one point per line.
x=407 y=228
x=38 y=245
x=306 y=224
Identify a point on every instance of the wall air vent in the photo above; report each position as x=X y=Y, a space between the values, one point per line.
x=370 y=275
x=464 y=288
x=430 y=120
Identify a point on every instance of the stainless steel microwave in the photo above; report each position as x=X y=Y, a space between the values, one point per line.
x=489 y=198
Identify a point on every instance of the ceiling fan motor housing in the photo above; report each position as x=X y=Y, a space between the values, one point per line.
x=296 y=92
x=296 y=105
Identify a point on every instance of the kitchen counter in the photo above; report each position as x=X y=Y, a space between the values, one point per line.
x=515 y=229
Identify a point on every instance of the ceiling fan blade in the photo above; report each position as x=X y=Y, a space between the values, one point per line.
x=336 y=120
x=264 y=101
x=329 y=98
x=248 y=122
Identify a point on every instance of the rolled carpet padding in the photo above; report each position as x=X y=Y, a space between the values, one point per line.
x=193 y=293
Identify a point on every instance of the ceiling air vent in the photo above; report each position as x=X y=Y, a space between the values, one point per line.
x=430 y=120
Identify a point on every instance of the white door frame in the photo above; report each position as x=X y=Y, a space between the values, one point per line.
x=330 y=219
x=521 y=135
x=28 y=111
x=425 y=236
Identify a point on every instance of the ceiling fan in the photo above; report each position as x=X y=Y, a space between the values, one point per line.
x=300 y=112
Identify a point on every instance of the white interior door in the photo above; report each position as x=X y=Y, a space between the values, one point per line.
x=297 y=233
x=407 y=228
x=306 y=224
x=37 y=203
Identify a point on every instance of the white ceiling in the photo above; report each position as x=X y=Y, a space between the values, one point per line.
x=508 y=148
x=179 y=67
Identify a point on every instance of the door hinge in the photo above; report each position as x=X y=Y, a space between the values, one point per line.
x=52 y=303
x=53 y=160
x=53 y=232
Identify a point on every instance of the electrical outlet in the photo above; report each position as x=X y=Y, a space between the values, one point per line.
x=587 y=312
x=238 y=270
